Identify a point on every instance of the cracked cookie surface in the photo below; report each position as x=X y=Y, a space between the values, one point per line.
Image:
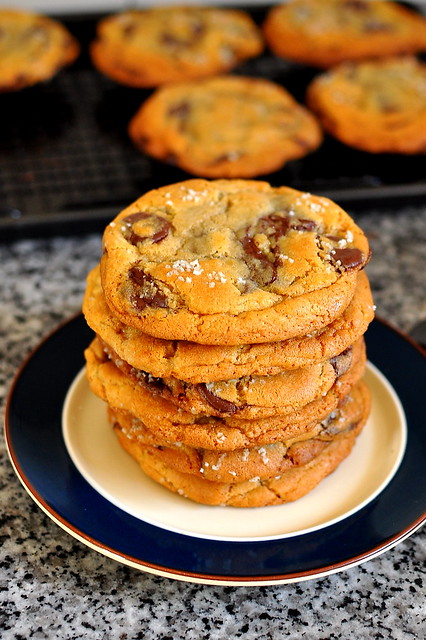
x=225 y=127
x=151 y=47
x=231 y=262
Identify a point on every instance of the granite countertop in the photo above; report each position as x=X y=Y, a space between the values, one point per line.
x=53 y=586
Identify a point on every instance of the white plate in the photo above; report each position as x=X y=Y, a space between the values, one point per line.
x=96 y=453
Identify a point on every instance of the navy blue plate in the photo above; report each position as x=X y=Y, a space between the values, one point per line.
x=40 y=459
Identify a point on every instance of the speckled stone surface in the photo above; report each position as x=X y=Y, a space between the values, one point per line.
x=53 y=586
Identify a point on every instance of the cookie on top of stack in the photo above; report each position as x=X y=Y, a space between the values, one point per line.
x=229 y=319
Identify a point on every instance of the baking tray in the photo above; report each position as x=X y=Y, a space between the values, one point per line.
x=68 y=166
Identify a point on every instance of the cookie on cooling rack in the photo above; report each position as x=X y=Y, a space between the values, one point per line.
x=33 y=48
x=151 y=47
x=323 y=33
x=225 y=127
x=377 y=106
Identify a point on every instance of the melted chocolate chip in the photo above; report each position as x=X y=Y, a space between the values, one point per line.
x=175 y=42
x=277 y=225
x=180 y=110
x=356 y=5
x=347 y=258
x=341 y=363
x=303 y=224
x=129 y=29
x=262 y=266
x=262 y=270
x=146 y=292
x=169 y=40
x=335 y=428
x=160 y=227
x=273 y=226
x=221 y=405
x=156 y=384
x=374 y=26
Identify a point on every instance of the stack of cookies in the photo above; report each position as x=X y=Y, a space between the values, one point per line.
x=229 y=319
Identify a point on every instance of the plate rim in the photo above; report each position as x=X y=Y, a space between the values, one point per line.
x=213 y=579
x=183 y=574
x=77 y=398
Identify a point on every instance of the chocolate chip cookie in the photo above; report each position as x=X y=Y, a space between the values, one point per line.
x=376 y=106
x=323 y=33
x=268 y=475
x=242 y=464
x=231 y=262
x=224 y=432
x=197 y=363
x=225 y=127
x=33 y=48
x=151 y=47
x=248 y=397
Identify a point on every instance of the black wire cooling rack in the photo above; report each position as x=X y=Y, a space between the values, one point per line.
x=68 y=166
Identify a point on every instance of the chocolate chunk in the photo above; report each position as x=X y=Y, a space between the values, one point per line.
x=348 y=258
x=173 y=41
x=263 y=267
x=341 y=363
x=303 y=224
x=180 y=110
x=273 y=226
x=129 y=29
x=146 y=292
x=262 y=270
x=169 y=40
x=277 y=225
x=160 y=227
x=356 y=5
x=198 y=30
x=221 y=405
x=301 y=453
x=155 y=384
x=374 y=26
